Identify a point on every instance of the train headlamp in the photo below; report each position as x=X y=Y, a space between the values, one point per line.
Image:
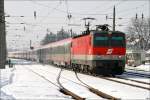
x=109 y=33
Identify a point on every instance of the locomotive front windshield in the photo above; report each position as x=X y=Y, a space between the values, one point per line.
x=105 y=39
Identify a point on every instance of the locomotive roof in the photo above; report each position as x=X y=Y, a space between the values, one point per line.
x=107 y=32
x=95 y=31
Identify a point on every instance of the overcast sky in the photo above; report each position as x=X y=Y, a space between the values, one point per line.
x=52 y=15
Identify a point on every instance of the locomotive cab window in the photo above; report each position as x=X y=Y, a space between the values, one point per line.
x=104 y=39
x=118 y=41
x=100 y=39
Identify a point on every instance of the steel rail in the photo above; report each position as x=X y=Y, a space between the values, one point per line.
x=132 y=80
x=43 y=77
x=61 y=88
x=136 y=70
x=124 y=83
x=137 y=74
x=96 y=91
x=66 y=91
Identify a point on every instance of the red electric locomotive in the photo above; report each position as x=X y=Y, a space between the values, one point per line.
x=101 y=52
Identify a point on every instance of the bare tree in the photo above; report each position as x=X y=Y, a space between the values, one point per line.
x=139 y=33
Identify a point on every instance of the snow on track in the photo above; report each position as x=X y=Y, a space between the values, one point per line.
x=113 y=88
x=116 y=89
x=136 y=78
x=51 y=73
x=146 y=86
x=27 y=85
x=79 y=89
x=21 y=83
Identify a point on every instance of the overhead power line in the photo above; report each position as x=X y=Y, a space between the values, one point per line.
x=130 y=9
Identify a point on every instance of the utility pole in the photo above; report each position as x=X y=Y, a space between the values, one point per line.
x=2 y=36
x=114 y=17
x=31 y=47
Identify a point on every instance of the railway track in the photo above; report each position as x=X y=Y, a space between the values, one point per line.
x=127 y=80
x=137 y=74
x=96 y=91
x=118 y=81
x=137 y=70
x=133 y=80
x=61 y=88
x=126 y=83
x=74 y=95
x=66 y=91
x=123 y=82
x=93 y=90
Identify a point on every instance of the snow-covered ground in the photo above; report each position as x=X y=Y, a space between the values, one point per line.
x=115 y=89
x=6 y=76
x=143 y=67
x=21 y=83
x=136 y=78
x=52 y=73
x=112 y=88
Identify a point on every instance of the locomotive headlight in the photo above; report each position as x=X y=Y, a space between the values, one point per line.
x=109 y=33
x=120 y=56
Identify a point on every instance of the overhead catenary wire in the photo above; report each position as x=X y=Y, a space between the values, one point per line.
x=129 y=10
x=66 y=12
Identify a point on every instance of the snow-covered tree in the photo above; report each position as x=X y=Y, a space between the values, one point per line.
x=51 y=37
x=139 y=34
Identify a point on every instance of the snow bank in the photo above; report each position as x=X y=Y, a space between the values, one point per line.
x=5 y=79
x=145 y=67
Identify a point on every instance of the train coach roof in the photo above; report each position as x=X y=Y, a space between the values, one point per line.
x=57 y=43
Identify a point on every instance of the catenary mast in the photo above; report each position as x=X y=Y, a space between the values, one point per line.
x=2 y=36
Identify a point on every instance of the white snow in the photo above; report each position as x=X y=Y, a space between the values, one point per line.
x=27 y=85
x=131 y=82
x=115 y=89
x=21 y=83
x=142 y=67
x=137 y=78
x=5 y=79
x=145 y=67
x=51 y=73
x=148 y=51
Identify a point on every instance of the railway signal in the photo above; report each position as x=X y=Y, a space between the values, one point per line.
x=35 y=15
x=136 y=16
x=142 y=16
